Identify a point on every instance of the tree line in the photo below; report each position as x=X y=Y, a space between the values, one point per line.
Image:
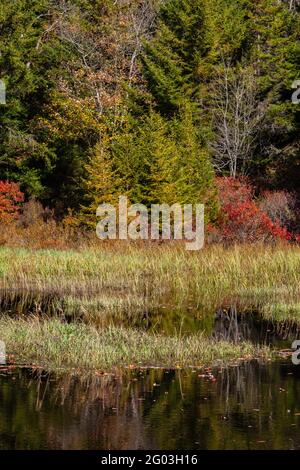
x=147 y=98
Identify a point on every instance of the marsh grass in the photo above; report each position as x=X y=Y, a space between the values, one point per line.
x=67 y=309
x=56 y=345
x=131 y=280
x=282 y=312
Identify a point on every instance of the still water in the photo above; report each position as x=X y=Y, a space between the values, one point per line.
x=249 y=406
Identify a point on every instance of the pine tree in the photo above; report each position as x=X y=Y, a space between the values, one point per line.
x=276 y=58
x=143 y=153
x=24 y=71
x=165 y=161
x=194 y=175
x=102 y=184
x=171 y=59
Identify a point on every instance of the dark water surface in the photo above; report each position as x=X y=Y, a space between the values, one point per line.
x=250 y=406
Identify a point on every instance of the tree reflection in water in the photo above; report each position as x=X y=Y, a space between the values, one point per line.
x=249 y=406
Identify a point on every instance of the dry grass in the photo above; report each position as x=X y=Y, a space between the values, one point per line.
x=91 y=283
x=53 y=344
x=94 y=285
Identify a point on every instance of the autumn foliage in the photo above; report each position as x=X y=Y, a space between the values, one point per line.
x=10 y=199
x=242 y=218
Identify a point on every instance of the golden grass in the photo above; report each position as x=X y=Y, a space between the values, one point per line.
x=125 y=281
x=56 y=345
x=131 y=279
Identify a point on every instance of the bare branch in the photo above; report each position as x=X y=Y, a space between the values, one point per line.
x=237 y=117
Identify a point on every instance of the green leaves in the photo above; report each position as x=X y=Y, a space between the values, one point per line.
x=80 y=71
x=170 y=59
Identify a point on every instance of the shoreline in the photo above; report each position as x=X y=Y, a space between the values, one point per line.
x=70 y=308
x=51 y=345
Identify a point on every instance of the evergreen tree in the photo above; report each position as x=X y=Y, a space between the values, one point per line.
x=69 y=66
x=26 y=69
x=194 y=176
x=143 y=155
x=171 y=59
x=101 y=184
x=276 y=58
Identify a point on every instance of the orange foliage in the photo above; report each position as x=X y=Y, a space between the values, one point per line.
x=10 y=199
x=241 y=219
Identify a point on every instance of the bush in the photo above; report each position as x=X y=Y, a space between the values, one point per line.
x=35 y=227
x=279 y=206
x=10 y=199
x=242 y=219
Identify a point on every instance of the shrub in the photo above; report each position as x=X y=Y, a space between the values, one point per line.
x=242 y=219
x=36 y=227
x=10 y=199
x=279 y=206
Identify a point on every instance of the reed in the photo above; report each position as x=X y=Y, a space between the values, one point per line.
x=79 y=308
x=53 y=345
x=90 y=284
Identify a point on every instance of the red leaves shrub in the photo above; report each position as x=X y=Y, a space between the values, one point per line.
x=10 y=198
x=233 y=191
x=242 y=219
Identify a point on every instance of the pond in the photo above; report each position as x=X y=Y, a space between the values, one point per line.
x=250 y=406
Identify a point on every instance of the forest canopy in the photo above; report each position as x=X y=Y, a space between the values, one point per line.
x=153 y=99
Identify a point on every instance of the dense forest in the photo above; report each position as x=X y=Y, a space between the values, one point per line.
x=160 y=100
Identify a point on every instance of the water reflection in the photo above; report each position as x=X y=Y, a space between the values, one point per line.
x=251 y=406
x=228 y=324
x=231 y=325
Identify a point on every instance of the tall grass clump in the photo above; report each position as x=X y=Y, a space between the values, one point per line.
x=53 y=344
x=129 y=279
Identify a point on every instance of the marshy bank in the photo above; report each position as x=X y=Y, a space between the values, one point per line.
x=56 y=345
x=140 y=348
x=127 y=279
x=131 y=306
